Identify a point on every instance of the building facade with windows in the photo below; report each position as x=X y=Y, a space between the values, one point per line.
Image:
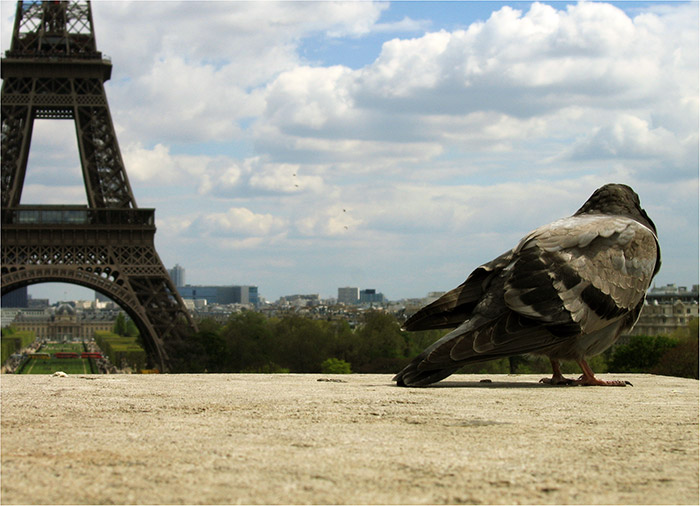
x=177 y=274
x=348 y=295
x=664 y=318
x=371 y=296
x=64 y=322
x=220 y=294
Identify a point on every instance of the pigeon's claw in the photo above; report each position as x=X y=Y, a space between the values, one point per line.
x=557 y=377
x=603 y=383
x=583 y=381
x=586 y=379
x=589 y=379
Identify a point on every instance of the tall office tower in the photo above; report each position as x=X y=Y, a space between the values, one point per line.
x=177 y=274
x=348 y=295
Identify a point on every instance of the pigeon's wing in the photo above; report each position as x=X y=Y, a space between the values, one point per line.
x=572 y=277
x=455 y=306
x=583 y=270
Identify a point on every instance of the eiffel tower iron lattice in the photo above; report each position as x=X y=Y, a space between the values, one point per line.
x=54 y=71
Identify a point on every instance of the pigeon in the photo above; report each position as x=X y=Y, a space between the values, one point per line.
x=566 y=291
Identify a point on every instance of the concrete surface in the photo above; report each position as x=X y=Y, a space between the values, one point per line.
x=195 y=439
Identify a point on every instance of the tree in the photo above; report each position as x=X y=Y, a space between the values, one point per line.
x=382 y=344
x=345 y=343
x=682 y=360
x=335 y=366
x=300 y=344
x=131 y=328
x=249 y=341
x=415 y=342
x=641 y=354
x=119 y=327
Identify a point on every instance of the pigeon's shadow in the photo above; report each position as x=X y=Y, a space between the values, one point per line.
x=488 y=384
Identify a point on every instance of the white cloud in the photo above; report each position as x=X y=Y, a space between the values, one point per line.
x=583 y=75
x=53 y=194
x=406 y=24
x=195 y=77
x=186 y=102
x=566 y=76
x=628 y=137
x=237 y=222
x=159 y=167
x=283 y=178
x=332 y=221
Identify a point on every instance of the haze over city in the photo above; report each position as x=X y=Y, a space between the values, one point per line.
x=301 y=147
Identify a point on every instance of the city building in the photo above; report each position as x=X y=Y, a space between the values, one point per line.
x=352 y=295
x=8 y=315
x=670 y=293
x=64 y=322
x=177 y=274
x=348 y=295
x=667 y=308
x=33 y=303
x=16 y=298
x=664 y=318
x=370 y=296
x=101 y=298
x=300 y=300
x=220 y=294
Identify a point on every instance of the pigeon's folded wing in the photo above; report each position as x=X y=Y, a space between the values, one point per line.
x=582 y=270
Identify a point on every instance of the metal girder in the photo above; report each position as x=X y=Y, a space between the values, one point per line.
x=53 y=29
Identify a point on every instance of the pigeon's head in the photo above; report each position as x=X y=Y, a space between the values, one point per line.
x=617 y=200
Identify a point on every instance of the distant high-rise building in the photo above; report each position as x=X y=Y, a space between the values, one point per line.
x=177 y=274
x=370 y=295
x=348 y=295
x=220 y=294
x=16 y=298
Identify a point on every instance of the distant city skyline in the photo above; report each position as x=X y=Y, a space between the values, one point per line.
x=53 y=291
x=300 y=147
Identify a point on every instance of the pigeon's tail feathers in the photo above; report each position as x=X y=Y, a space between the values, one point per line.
x=480 y=339
x=411 y=376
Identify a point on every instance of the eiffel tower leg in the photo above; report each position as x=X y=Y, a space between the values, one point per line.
x=167 y=322
x=103 y=169
x=17 y=126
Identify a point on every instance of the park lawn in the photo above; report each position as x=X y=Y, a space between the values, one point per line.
x=67 y=365
x=52 y=365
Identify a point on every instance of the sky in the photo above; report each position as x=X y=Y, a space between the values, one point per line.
x=306 y=146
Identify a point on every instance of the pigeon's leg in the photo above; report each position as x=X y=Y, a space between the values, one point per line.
x=588 y=378
x=557 y=377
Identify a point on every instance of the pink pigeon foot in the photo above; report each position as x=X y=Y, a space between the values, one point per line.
x=587 y=378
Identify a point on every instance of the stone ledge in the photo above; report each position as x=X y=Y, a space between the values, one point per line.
x=312 y=438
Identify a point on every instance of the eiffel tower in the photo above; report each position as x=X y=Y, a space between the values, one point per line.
x=54 y=71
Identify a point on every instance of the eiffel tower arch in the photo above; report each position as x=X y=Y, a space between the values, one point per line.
x=54 y=71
